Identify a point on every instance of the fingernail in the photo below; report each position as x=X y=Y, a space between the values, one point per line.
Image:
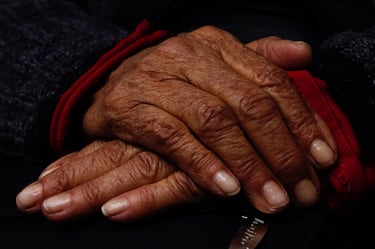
x=57 y=203
x=306 y=193
x=322 y=153
x=274 y=195
x=114 y=207
x=29 y=196
x=302 y=43
x=48 y=171
x=227 y=183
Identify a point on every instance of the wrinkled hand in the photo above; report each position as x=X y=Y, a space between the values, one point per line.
x=219 y=111
x=139 y=183
x=81 y=182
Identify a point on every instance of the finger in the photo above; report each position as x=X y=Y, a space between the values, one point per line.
x=69 y=158
x=264 y=125
x=154 y=198
x=298 y=115
x=166 y=134
x=219 y=131
x=284 y=53
x=262 y=119
x=293 y=55
x=72 y=173
x=58 y=163
x=144 y=168
x=323 y=154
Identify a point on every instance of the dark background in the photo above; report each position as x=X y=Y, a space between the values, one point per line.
x=209 y=225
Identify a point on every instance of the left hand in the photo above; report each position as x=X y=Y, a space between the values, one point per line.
x=132 y=182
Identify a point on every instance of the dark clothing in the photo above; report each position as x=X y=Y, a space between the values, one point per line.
x=46 y=45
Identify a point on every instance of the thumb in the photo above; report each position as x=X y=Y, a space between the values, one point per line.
x=284 y=53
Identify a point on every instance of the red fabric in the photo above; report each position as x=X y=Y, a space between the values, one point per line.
x=61 y=122
x=349 y=180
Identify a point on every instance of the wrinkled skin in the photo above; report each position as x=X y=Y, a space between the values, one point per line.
x=107 y=169
x=221 y=114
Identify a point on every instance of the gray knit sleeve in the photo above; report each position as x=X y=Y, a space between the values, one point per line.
x=45 y=45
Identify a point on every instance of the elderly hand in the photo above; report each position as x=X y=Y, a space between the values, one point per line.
x=221 y=112
x=138 y=182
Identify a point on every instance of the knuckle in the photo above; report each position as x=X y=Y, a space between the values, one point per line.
x=303 y=124
x=91 y=193
x=114 y=76
x=213 y=117
x=174 y=47
x=183 y=185
x=157 y=165
x=201 y=162
x=166 y=132
x=117 y=100
x=273 y=38
x=290 y=164
x=147 y=198
x=113 y=151
x=97 y=144
x=147 y=168
x=250 y=168
x=58 y=181
x=207 y=29
x=117 y=110
x=273 y=77
x=212 y=36
x=257 y=105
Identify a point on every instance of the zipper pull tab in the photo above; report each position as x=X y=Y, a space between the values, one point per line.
x=253 y=227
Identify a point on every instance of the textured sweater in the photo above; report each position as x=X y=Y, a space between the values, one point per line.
x=45 y=45
x=346 y=61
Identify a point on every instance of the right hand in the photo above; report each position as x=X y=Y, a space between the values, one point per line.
x=221 y=112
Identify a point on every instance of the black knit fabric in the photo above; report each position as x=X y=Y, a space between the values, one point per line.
x=359 y=47
x=45 y=45
x=346 y=61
